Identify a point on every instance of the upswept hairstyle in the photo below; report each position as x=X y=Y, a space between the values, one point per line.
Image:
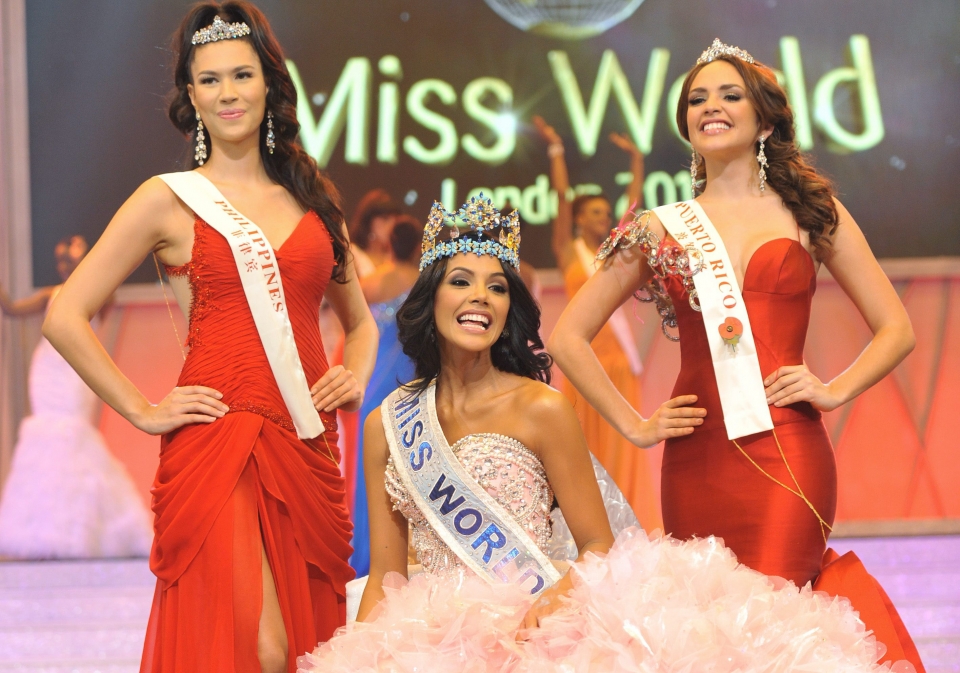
x=580 y=202
x=289 y=165
x=807 y=194
x=519 y=351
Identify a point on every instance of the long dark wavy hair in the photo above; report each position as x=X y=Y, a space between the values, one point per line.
x=807 y=194
x=289 y=165
x=519 y=351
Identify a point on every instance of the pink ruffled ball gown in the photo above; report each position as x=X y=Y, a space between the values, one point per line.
x=652 y=604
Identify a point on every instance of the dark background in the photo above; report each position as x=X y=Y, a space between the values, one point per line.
x=99 y=73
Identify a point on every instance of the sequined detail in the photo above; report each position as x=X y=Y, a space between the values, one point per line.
x=665 y=258
x=200 y=290
x=507 y=470
x=283 y=420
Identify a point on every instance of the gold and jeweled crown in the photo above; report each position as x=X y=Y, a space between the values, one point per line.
x=718 y=49
x=220 y=30
x=482 y=217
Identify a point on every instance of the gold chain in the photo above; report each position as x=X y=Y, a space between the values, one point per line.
x=323 y=435
x=824 y=526
x=163 y=288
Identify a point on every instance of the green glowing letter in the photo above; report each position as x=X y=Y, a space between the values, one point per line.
x=446 y=148
x=673 y=102
x=536 y=206
x=861 y=74
x=796 y=90
x=652 y=186
x=448 y=194
x=586 y=123
x=348 y=106
x=501 y=122
x=388 y=120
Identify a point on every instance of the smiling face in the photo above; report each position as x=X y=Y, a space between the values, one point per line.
x=228 y=89
x=595 y=218
x=472 y=302
x=721 y=120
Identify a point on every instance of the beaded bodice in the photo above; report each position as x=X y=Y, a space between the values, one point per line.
x=507 y=470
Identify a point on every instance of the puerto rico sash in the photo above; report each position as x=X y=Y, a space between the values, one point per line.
x=260 y=276
x=732 y=348
x=471 y=522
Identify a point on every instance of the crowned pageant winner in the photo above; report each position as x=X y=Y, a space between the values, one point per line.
x=482 y=462
x=252 y=533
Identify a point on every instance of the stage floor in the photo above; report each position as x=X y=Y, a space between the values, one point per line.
x=90 y=616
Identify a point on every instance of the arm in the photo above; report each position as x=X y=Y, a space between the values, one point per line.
x=588 y=311
x=563 y=223
x=857 y=272
x=388 y=528
x=635 y=188
x=566 y=459
x=146 y=221
x=35 y=303
x=342 y=386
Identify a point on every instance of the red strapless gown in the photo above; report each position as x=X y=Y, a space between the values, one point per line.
x=223 y=487
x=710 y=488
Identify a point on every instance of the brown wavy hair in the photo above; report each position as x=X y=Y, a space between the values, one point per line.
x=790 y=173
x=289 y=166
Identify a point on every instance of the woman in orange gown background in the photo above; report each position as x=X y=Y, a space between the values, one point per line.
x=590 y=217
x=770 y=496
x=252 y=531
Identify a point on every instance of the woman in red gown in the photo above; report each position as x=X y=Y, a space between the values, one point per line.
x=252 y=531
x=771 y=496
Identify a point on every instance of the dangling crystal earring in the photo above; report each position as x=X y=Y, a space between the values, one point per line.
x=762 y=160
x=271 y=140
x=201 y=154
x=694 y=165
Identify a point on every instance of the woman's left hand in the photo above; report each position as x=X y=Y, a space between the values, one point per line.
x=789 y=385
x=548 y=603
x=337 y=389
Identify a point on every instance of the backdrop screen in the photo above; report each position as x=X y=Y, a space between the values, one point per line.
x=432 y=99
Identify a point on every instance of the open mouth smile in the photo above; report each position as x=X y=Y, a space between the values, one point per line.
x=474 y=322
x=714 y=128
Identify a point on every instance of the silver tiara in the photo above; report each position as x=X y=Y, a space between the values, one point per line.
x=220 y=30
x=718 y=49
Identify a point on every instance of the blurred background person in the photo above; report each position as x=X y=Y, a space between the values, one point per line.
x=370 y=229
x=67 y=496
x=580 y=227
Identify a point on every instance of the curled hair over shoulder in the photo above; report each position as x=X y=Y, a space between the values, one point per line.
x=289 y=165
x=807 y=194
x=519 y=352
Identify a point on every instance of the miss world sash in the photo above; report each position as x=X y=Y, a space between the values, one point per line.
x=732 y=348
x=467 y=518
x=260 y=276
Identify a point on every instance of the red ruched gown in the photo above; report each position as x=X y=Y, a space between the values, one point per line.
x=710 y=488
x=225 y=488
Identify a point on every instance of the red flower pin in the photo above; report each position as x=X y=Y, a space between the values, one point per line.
x=730 y=331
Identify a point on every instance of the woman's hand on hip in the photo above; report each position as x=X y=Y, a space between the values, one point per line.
x=337 y=389
x=674 y=418
x=789 y=385
x=183 y=406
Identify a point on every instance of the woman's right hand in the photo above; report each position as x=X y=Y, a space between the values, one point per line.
x=183 y=406
x=674 y=418
x=546 y=131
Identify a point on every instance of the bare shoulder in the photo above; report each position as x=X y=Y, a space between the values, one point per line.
x=545 y=405
x=373 y=425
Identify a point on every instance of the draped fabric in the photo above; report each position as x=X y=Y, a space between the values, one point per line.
x=711 y=487
x=629 y=466
x=227 y=488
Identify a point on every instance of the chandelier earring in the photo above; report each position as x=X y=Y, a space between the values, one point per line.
x=271 y=139
x=201 y=153
x=694 y=167
x=762 y=162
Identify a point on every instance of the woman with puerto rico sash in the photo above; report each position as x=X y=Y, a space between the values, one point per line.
x=472 y=456
x=252 y=533
x=734 y=271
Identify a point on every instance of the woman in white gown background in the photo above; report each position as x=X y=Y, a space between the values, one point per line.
x=66 y=496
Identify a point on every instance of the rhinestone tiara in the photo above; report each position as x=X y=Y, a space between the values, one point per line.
x=220 y=30
x=718 y=49
x=481 y=216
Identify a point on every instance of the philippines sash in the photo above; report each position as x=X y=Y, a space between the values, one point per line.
x=732 y=348
x=260 y=276
x=467 y=518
